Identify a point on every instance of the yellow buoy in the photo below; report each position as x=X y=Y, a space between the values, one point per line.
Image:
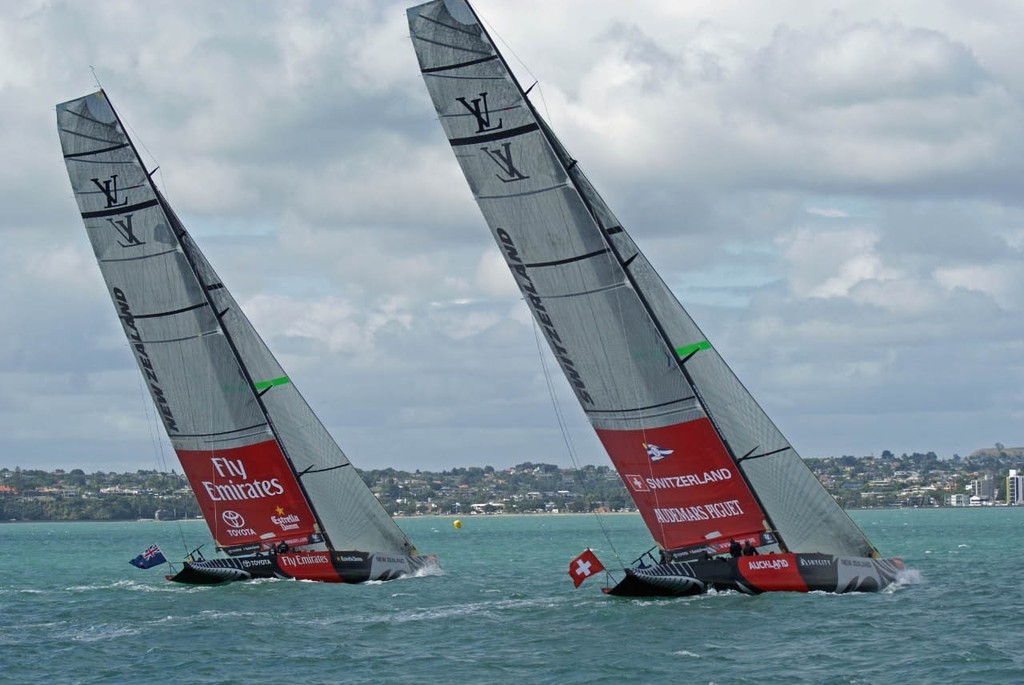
x=456 y=523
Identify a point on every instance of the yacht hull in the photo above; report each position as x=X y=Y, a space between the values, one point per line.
x=760 y=573
x=326 y=567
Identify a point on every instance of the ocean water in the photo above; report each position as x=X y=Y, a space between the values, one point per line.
x=72 y=610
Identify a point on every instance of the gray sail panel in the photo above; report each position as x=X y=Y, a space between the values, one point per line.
x=575 y=287
x=351 y=516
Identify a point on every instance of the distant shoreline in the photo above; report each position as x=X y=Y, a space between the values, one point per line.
x=453 y=517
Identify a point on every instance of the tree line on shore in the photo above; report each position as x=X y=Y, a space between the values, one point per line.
x=919 y=479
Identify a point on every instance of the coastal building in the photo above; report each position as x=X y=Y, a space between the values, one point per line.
x=982 y=489
x=1015 y=488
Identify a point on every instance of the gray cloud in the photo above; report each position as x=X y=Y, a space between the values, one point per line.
x=833 y=194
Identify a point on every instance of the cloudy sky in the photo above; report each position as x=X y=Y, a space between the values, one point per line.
x=833 y=189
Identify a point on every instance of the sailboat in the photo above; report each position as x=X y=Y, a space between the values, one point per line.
x=279 y=496
x=705 y=466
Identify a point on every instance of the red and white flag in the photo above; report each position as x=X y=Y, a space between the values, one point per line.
x=584 y=566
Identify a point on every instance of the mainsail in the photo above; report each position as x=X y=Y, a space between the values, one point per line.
x=262 y=466
x=700 y=458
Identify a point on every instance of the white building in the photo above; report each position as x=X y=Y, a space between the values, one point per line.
x=1015 y=488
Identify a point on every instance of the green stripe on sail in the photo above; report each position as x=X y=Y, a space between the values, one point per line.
x=687 y=350
x=263 y=385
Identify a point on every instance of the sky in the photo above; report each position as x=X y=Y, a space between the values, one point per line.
x=832 y=189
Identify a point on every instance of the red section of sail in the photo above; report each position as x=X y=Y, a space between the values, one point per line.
x=248 y=494
x=772 y=573
x=684 y=483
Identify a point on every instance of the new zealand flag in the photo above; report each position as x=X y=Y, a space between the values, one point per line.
x=150 y=558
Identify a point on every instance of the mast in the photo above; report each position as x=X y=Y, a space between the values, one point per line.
x=680 y=363
x=179 y=231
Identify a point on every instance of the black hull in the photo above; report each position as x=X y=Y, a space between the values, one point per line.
x=325 y=567
x=761 y=573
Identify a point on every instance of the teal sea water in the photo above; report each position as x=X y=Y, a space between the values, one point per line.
x=72 y=610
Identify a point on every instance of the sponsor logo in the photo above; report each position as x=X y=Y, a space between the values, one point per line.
x=250 y=563
x=656 y=453
x=289 y=522
x=814 y=562
x=304 y=559
x=246 y=490
x=145 y=363
x=235 y=550
x=389 y=560
x=124 y=227
x=502 y=156
x=109 y=190
x=479 y=109
x=522 y=277
x=689 y=479
x=856 y=562
x=699 y=512
x=237 y=525
x=233 y=519
x=768 y=564
x=349 y=557
x=636 y=482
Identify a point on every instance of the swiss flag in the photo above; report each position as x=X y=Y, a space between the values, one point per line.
x=584 y=566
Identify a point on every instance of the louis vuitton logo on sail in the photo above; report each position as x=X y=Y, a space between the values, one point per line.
x=109 y=190
x=122 y=225
x=515 y=262
x=482 y=114
x=502 y=156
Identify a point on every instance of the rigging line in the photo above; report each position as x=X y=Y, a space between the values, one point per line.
x=620 y=310
x=567 y=437
x=136 y=140
x=491 y=31
x=152 y=420
x=567 y=220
